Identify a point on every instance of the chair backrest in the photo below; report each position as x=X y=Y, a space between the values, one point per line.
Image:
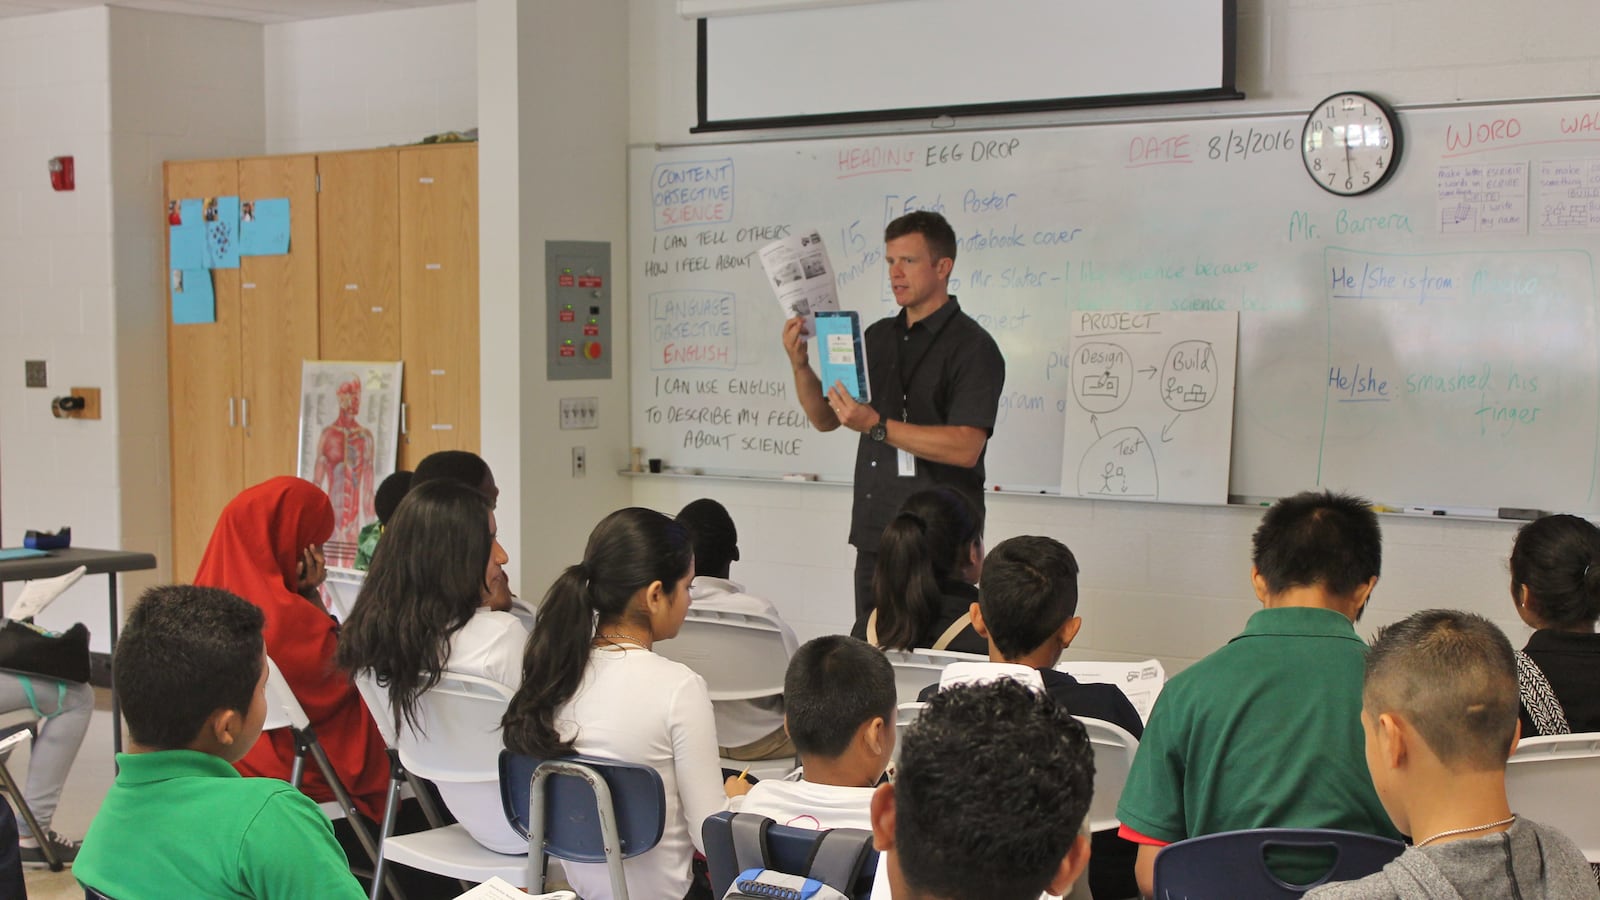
x=1546 y=775
x=283 y=709
x=741 y=656
x=1113 y=749
x=90 y=893
x=572 y=820
x=376 y=700
x=905 y=714
x=1233 y=863
x=788 y=850
x=457 y=735
x=916 y=669
x=340 y=589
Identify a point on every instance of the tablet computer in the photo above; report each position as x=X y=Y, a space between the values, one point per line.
x=842 y=352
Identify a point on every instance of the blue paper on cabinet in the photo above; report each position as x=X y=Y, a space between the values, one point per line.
x=193 y=301
x=222 y=232
x=186 y=241
x=264 y=227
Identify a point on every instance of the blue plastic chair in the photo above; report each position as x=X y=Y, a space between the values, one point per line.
x=789 y=850
x=1233 y=863
x=90 y=893
x=591 y=810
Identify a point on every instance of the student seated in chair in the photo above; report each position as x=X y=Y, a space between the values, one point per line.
x=841 y=715
x=993 y=785
x=180 y=821
x=746 y=729
x=390 y=492
x=1028 y=610
x=1265 y=732
x=1439 y=710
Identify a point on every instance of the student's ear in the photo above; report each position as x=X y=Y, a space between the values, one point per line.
x=977 y=620
x=882 y=812
x=1364 y=593
x=735 y=556
x=874 y=733
x=1069 y=631
x=223 y=727
x=1073 y=865
x=655 y=597
x=1259 y=583
x=1391 y=738
x=786 y=727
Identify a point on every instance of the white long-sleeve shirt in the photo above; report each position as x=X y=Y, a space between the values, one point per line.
x=637 y=707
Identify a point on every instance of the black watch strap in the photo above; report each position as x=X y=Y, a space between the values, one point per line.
x=879 y=432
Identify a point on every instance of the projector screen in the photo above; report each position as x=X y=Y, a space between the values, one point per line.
x=915 y=58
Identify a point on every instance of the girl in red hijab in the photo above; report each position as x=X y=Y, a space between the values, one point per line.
x=267 y=549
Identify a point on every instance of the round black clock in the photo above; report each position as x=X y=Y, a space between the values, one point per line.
x=1350 y=143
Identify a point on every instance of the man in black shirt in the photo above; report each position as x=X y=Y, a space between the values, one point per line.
x=935 y=377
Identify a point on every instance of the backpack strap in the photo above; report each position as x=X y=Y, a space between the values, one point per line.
x=950 y=633
x=837 y=857
x=1539 y=699
x=872 y=628
x=749 y=841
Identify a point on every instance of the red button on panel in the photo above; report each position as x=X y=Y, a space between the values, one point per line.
x=591 y=331
x=570 y=352
x=591 y=350
x=568 y=315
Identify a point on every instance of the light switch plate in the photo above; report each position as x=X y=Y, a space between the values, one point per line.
x=36 y=373
x=580 y=412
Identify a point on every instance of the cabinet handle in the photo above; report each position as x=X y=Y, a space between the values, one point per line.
x=231 y=420
x=244 y=412
x=403 y=426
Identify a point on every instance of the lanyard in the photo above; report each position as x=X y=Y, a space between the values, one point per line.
x=907 y=377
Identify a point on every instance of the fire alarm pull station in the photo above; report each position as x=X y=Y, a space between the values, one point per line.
x=61 y=177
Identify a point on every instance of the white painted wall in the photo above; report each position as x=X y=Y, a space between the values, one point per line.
x=80 y=274
x=371 y=80
x=1168 y=581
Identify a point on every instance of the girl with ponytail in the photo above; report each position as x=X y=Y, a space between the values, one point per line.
x=1555 y=584
x=591 y=685
x=928 y=563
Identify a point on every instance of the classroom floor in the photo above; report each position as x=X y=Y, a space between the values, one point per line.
x=91 y=777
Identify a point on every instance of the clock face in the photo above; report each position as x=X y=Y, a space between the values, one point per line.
x=1350 y=144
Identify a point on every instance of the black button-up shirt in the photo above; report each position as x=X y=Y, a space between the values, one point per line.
x=944 y=370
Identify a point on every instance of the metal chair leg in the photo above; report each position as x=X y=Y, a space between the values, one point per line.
x=9 y=785
x=363 y=835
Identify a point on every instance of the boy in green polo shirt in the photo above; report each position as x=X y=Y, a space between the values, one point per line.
x=180 y=821
x=1266 y=731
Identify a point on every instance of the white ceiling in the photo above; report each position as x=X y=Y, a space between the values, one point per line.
x=265 y=12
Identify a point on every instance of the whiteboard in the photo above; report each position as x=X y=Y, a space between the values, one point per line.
x=1433 y=342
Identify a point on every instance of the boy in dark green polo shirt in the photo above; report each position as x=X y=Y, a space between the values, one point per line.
x=180 y=821
x=1266 y=731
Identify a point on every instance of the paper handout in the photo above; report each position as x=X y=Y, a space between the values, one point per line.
x=801 y=276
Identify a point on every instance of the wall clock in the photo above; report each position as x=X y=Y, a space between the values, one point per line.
x=1351 y=143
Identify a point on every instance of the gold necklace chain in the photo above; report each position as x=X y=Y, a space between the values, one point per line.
x=1455 y=831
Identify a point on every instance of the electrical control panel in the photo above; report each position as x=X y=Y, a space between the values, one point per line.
x=578 y=296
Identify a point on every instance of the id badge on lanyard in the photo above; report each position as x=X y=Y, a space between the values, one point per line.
x=908 y=462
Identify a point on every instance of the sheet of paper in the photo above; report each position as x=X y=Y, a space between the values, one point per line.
x=186 y=242
x=801 y=276
x=221 y=217
x=1483 y=197
x=1569 y=194
x=41 y=592
x=1141 y=681
x=498 y=888
x=193 y=301
x=264 y=227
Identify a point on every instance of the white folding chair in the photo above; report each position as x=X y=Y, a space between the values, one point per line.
x=1113 y=749
x=916 y=669
x=284 y=711
x=905 y=714
x=457 y=739
x=1547 y=776
x=340 y=588
x=741 y=657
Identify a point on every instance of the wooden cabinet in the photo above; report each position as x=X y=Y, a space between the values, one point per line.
x=382 y=265
x=439 y=299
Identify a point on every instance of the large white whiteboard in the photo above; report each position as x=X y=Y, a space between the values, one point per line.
x=1434 y=342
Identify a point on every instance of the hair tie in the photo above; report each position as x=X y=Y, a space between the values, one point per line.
x=1585 y=572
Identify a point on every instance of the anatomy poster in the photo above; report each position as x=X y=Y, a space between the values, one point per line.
x=349 y=438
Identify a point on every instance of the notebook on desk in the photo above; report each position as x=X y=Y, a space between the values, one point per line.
x=21 y=553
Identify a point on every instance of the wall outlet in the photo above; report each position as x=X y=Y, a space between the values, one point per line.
x=580 y=412
x=35 y=373
x=580 y=462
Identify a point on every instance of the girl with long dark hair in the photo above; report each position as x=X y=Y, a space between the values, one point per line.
x=925 y=583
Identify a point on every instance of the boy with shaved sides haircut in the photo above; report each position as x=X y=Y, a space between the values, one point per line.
x=180 y=821
x=840 y=713
x=1265 y=732
x=1439 y=710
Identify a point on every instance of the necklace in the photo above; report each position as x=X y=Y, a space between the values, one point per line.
x=1506 y=821
x=619 y=639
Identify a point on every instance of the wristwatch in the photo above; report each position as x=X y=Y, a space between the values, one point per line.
x=878 y=432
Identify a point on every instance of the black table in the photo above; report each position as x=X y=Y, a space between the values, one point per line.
x=98 y=562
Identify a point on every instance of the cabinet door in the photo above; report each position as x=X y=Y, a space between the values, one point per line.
x=358 y=241
x=203 y=387
x=278 y=317
x=439 y=299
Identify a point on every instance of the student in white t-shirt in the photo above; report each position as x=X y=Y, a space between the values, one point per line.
x=840 y=711
x=591 y=685
x=746 y=729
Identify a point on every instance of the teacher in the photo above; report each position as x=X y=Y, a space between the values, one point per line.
x=935 y=377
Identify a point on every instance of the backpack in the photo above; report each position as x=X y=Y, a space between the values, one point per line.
x=836 y=859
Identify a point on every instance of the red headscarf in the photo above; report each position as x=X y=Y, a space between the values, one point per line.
x=254 y=552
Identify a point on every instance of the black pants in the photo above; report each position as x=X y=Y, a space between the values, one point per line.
x=11 y=883
x=866 y=563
